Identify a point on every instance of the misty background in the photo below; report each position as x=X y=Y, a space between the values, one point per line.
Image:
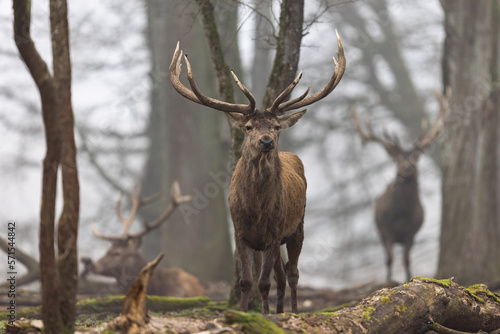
x=112 y=83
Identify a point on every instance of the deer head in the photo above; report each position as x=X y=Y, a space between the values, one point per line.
x=261 y=127
x=123 y=259
x=406 y=160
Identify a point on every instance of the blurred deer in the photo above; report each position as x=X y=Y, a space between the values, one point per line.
x=267 y=195
x=123 y=260
x=398 y=211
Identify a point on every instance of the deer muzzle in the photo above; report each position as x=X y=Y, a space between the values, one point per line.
x=266 y=144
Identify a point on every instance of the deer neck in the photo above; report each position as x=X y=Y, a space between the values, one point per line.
x=262 y=168
x=134 y=264
x=407 y=184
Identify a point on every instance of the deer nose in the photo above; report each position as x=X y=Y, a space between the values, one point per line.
x=266 y=143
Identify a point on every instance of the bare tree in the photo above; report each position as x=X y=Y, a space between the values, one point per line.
x=59 y=277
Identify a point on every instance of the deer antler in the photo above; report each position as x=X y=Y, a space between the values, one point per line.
x=390 y=143
x=425 y=137
x=197 y=96
x=137 y=202
x=278 y=106
x=176 y=199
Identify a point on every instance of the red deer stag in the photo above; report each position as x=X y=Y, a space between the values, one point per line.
x=267 y=195
x=398 y=211
x=123 y=260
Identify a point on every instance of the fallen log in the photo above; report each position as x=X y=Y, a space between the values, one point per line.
x=421 y=306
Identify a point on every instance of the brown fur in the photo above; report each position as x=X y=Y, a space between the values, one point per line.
x=123 y=261
x=267 y=199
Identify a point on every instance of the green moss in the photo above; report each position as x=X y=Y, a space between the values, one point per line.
x=113 y=305
x=368 y=312
x=156 y=303
x=475 y=289
x=445 y=283
x=29 y=313
x=400 y=309
x=252 y=323
x=385 y=300
x=110 y=304
x=210 y=311
x=334 y=309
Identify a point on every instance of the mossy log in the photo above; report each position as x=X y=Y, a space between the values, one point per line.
x=421 y=306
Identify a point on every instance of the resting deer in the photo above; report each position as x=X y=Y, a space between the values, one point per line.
x=267 y=195
x=123 y=260
x=398 y=211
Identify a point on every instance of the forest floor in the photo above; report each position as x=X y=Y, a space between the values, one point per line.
x=319 y=310
x=205 y=315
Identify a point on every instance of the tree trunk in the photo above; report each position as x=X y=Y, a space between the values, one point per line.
x=286 y=60
x=261 y=63
x=59 y=278
x=67 y=229
x=470 y=226
x=185 y=146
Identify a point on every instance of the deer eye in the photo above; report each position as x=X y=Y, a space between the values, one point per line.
x=248 y=127
x=277 y=128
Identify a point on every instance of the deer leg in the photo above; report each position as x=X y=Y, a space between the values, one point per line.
x=245 y=255
x=294 y=247
x=388 y=258
x=406 y=258
x=257 y=262
x=264 y=279
x=280 y=278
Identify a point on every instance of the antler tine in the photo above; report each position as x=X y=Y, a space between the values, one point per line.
x=390 y=143
x=427 y=137
x=176 y=199
x=245 y=91
x=105 y=237
x=217 y=104
x=275 y=106
x=152 y=198
x=136 y=204
x=334 y=80
x=175 y=69
x=118 y=209
x=297 y=99
x=364 y=136
x=194 y=94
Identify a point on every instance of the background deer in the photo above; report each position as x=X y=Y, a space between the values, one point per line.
x=267 y=195
x=124 y=261
x=398 y=211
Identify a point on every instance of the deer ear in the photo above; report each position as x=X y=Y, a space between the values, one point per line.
x=287 y=121
x=236 y=119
